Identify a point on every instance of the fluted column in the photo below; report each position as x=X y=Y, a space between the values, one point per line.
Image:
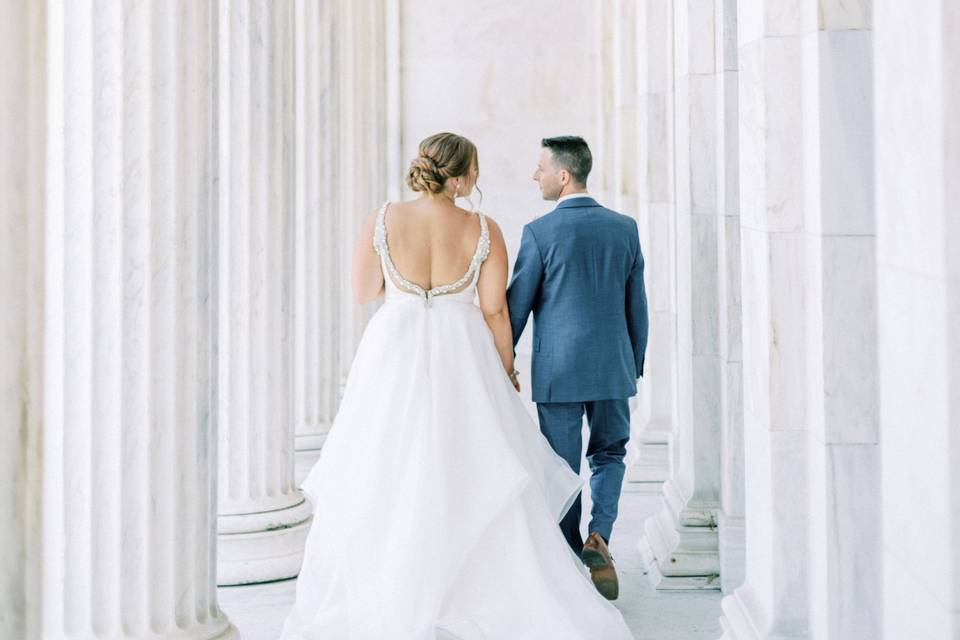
x=841 y=322
x=772 y=602
x=347 y=162
x=263 y=518
x=368 y=165
x=654 y=162
x=21 y=278
x=917 y=133
x=128 y=488
x=680 y=547
x=319 y=272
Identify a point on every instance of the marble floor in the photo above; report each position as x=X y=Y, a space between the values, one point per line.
x=258 y=610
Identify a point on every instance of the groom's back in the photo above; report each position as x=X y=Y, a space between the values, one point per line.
x=587 y=255
x=582 y=346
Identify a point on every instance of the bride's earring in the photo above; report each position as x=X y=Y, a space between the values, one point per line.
x=456 y=192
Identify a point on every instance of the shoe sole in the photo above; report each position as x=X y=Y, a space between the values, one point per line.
x=602 y=573
x=593 y=559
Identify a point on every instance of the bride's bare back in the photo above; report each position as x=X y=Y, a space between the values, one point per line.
x=431 y=242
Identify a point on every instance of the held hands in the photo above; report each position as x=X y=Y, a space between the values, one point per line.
x=513 y=375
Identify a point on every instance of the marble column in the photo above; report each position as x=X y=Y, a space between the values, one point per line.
x=620 y=150
x=21 y=277
x=773 y=600
x=263 y=517
x=841 y=322
x=680 y=545
x=368 y=164
x=916 y=68
x=655 y=209
x=128 y=489
x=318 y=275
x=337 y=116
x=730 y=518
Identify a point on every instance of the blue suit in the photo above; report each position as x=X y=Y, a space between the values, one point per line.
x=579 y=270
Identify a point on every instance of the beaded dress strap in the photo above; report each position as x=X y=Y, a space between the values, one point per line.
x=383 y=250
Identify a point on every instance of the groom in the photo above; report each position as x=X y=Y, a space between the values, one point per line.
x=580 y=271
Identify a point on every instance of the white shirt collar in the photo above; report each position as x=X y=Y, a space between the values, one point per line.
x=571 y=196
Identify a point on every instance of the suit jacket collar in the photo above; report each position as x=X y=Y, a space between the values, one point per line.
x=577 y=203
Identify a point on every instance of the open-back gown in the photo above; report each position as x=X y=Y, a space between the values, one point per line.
x=436 y=499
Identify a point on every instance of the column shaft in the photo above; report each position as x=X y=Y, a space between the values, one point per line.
x=680 y=548
x=772 y=602
x=129 y=434
x=320 y=277
x=347 y=163
x=263 y=518
x=917 y=133
x=21 y=276
x=655 y=82
x=841 y=323
x=730 y=519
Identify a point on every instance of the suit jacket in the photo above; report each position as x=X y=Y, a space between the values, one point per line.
x=580 y=272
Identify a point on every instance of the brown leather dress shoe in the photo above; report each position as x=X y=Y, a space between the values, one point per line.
x=597 y=557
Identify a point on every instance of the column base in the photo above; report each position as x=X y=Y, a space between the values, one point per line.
x=680 y=549
x=230 y=633
x=309 y=441
x=736 y=620
x=650 y=467
x=733 y=551
x=263 y=546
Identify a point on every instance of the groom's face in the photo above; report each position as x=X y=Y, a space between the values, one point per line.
x=548 y=176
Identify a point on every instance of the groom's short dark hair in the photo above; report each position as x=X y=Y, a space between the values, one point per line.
x=573 y=154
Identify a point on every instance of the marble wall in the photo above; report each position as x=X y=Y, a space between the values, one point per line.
x=504 y=75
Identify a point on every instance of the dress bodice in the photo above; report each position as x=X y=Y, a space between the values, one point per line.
x=398 y=287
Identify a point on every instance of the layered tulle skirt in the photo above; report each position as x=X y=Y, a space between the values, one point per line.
x=436 y=499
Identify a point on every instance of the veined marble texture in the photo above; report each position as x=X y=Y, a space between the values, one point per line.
x=180 y=188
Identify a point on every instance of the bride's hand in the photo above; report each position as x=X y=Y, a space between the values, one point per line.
x=514 y=379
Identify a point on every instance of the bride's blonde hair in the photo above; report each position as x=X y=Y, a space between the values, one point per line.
x=441 y=156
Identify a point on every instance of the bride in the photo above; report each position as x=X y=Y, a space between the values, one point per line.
x=436 y=499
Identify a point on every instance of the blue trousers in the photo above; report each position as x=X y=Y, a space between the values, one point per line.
x=609 y=421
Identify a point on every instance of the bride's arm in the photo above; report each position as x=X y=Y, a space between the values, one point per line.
x=492 y=289
x=367 y=276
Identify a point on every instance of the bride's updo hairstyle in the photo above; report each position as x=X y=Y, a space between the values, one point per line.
x=441 y=156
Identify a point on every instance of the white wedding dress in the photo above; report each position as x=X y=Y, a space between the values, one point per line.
x=436 y=499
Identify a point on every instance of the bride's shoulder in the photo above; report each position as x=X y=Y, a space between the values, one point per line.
x=493 y=229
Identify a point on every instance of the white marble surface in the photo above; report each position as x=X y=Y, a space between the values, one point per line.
x=259 y=610
x=19 y=191
x=916 y=55
x=491 y=71
x=124 y=474
x=263 y=518
x=831 y=434
x=772 y=602
x=840 y=312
